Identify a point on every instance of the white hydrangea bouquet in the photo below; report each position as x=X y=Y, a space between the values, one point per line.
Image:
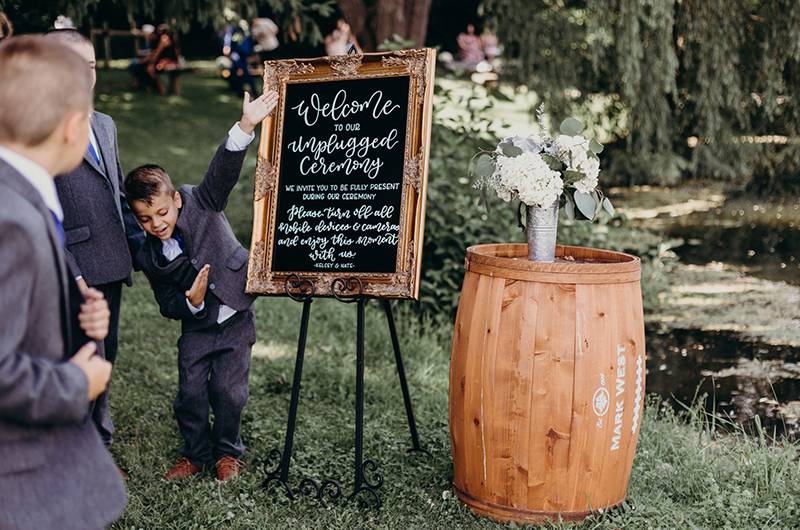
x=545 y=173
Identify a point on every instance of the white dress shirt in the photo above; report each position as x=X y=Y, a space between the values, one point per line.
x=237 y=140
x=39 y=178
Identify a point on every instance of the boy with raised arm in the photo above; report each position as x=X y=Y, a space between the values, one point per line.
x=196 y=268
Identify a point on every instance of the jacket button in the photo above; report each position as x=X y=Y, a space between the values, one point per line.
x=194 y=261
x=212 y=286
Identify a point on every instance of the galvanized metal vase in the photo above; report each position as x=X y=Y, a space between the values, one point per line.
x=542 y=226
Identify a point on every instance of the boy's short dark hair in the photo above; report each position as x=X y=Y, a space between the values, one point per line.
x=146 y=182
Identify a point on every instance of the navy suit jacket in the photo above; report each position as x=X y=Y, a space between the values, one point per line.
x=100 y=229
x=208 y=239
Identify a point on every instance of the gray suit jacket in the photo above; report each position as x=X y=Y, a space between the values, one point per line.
x=54 y=470
x=100 y=228
x=208 y=239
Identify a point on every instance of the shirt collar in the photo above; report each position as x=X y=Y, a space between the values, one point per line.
x=38 y=177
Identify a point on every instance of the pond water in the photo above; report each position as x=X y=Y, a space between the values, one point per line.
x=767 y=247
x=742 y=378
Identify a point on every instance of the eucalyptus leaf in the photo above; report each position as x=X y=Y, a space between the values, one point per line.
x=569 y=208
x=608 y=206
x=595 y=146
x=598 y=201
x=484 y=165
x=510 y=149
x=571 y=127
x=571 y=176
x=552 y=162
x=585 y=203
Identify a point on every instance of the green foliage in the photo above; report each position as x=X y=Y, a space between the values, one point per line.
x=184 y=12
x=669 y=70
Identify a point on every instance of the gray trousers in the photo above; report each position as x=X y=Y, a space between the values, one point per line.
x=100 y=413
x=213 y=367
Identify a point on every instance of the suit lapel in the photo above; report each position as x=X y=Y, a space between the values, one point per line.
x=183 y=226
x=21 y=185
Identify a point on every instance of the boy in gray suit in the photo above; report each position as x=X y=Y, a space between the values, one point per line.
x=99 y=227
x=196 y=268
x=54 y=470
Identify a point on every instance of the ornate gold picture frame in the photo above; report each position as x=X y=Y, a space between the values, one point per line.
x=418 y=66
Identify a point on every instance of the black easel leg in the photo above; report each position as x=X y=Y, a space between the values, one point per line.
x=401 y=373
x=281 y=474
x=359 y=394
x=362 y=483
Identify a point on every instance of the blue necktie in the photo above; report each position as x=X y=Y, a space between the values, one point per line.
x=176 y=235
x=93 y=153
x=59 y=228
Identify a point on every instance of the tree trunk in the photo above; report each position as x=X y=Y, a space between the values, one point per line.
x=355 y=13
x=390 y=18
x=407 y=18
x=417 y=12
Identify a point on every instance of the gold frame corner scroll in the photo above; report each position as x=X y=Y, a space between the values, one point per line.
x=418 y=65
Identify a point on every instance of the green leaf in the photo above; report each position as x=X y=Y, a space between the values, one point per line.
x=552 y=162
x=595 y=146
x=598 y=201
x=484 y=165
x=571 y=127
x=571 y=176
x=608 y=206
x=510 y=149
x=585 y=203
x=569 y=207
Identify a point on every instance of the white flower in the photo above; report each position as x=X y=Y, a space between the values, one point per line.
x=572 y=150
x=591 y=169
x=528 y=177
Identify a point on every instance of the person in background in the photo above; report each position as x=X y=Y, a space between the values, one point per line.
x=165 y=57
x=101 y=232
x=470 y=49
x=237 y=46
x=265 y=34
x=490 y=46
x=138 y=66
x=341 y=39
x=54 y=470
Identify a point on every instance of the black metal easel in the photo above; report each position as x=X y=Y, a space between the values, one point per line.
x=367 y=476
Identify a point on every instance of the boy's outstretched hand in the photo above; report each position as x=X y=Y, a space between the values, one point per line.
x=254 y=112
x=197 y=293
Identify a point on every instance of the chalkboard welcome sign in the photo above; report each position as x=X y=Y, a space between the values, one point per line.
x=342 y=174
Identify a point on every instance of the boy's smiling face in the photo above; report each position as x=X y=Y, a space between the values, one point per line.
x=160 y=216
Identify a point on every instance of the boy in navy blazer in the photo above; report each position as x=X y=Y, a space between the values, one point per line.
x=196 y=269
x=100 y=229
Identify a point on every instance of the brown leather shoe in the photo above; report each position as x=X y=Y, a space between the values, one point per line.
x=181 y=469
x=228 y=468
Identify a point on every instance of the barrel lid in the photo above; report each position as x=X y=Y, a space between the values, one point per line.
x=572 y=265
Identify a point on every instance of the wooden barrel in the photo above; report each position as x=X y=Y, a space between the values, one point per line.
x=547 y=378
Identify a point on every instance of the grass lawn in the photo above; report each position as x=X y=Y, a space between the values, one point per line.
x=682 y=477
